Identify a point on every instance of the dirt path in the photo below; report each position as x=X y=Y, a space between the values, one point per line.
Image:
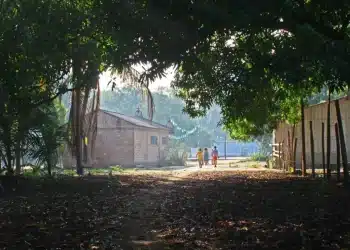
x=213 y=209
x=231 y=165
x=198 y=208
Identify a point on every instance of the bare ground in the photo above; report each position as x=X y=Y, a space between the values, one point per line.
x=176 y=209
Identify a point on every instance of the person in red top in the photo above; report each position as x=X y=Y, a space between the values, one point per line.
x=215 y=156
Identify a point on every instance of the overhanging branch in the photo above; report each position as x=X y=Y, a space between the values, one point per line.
x=48 y=100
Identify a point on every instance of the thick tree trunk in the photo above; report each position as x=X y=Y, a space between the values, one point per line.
x=78 y=133
x=342 y=142
x=329 y=137
x=84 y=121
x=18 y=156
x=94 y=120
x=9 y=159
x=49 y=167
x=303 y=159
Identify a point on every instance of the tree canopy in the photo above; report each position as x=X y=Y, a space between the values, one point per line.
x=256 y=60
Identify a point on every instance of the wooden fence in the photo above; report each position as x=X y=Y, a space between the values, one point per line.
x=283 y=156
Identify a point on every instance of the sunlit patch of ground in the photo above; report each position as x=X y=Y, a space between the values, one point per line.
x=213 y=209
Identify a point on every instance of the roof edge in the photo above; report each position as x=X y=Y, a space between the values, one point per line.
x=109 y=112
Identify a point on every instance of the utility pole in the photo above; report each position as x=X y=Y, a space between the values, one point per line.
x=225 y=145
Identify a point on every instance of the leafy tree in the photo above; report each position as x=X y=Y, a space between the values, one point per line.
x=48 y=136
x=253 y=100
x=274 y=53
x=39 y=62
x=34 y=63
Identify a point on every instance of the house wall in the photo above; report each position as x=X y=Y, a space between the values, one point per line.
x=114 y=142
x=119 y=142
x=317 y=114
x=145 y=151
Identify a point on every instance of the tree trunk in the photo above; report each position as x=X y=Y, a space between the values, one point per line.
x=342 y=142
x=9 y=159
x=94 y=120
x=323 y=153
x=49 y=166
x=18 y=156
x=303 y=159
x=329 y=137
x=295 y=155
x=78 y=133
x=338 y=150
x=312 y=150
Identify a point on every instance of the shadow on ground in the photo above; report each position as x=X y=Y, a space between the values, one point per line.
x=217 y=210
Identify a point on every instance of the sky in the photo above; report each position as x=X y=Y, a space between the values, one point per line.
x=163 y=82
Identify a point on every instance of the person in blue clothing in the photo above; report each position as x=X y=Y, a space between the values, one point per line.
x=206 y=156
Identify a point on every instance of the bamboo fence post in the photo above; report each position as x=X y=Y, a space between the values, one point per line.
x=290 y=151
x=295 y=155
x=338 y=150
x=312 y=150
x=323 y=152
x=303 y=151
x=329 y=137
x=279 y=156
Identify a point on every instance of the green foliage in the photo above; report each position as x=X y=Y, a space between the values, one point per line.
x=116 y=169
x=176 y=154
x=99 y=171
x=34 y=171
x=48 y=136
x=252 y=99
x=69 y=172
x=41 y=44
x=259 y=157
x=264 y=143
x=322 y=96
x=105 y=171
x=255 y=60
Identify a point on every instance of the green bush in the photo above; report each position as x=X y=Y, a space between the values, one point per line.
x=176 y=154
x=69 y=172
x=259 y=157
x=34 y=171
x=96 y=171
x=116 y=169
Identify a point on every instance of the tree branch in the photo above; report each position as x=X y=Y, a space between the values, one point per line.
x=61 y=92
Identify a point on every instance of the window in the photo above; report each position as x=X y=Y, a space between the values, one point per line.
x=154 y=140
x=164 y=140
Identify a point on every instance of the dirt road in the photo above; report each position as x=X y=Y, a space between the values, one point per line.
x=176 y=209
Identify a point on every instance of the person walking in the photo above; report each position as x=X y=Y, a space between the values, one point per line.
x=206 y=156
x=200 y=157
x=215 y=156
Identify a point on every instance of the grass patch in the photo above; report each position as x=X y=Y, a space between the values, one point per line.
x=116 y=169
x=259 y=157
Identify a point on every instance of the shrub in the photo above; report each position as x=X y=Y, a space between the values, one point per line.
x=176 y=154
x=259 y=157
x=69 y=172
x=116 y=169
